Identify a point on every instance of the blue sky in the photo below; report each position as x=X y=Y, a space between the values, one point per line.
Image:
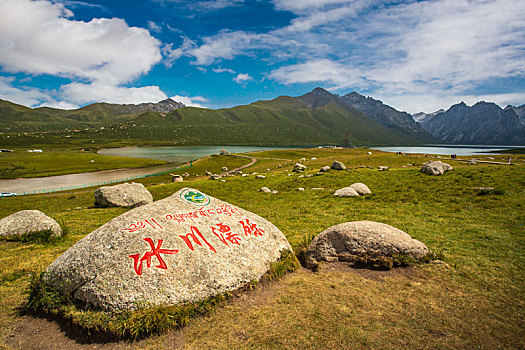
x=413 y=55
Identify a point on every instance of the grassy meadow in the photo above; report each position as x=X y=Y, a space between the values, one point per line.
x=53 y=162
x=474 y=300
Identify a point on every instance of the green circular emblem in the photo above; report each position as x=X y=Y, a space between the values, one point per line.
x=194 y=197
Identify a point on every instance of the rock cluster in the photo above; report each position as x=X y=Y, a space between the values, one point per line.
x=355 y=190
x=123 y=195
x=28 y=221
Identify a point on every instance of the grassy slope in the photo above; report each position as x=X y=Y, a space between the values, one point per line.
x=478 y=303
x=282 y=121
x=59 y=162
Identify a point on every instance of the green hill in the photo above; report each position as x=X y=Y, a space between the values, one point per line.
x=315 y=118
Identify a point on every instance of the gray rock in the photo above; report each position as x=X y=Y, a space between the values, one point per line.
x=184 y=248
x=325 y=169
x=28 y=221
x=310 y=175
x=238 y=172
x=123 y=195
x=300 y=189
x=215 y=177
x=360 y=188
x=319 y=174
x=245 y=175
x=224 y=168
x=208 y=173
x=177 y=178
x=358 y=240
x=185 y=174
x=346 y=192
x=265 y=190
x=298 y=167
x=435 y=167
x=338 y=166
x=275 y=192
x=368 y=152
x=260 y=177
x=383 y=168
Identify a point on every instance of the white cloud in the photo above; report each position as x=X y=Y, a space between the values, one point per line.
x=242 y=78
x=336 y=74
x=171 y=54
x=37 y=37
x=299 y=6
x=224 y=45
x=154 y=27
x=100 y=92
x=223 y=70
x=22 y=96
x=190 y=101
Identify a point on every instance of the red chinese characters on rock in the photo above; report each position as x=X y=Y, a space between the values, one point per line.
x=251 y=228
x=142 y=224
x=195 y=230
x=221 y=229
x=155 y=252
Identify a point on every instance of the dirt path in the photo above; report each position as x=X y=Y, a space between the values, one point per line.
x=252 y=162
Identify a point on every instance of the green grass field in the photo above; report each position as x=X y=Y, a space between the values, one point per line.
x=62 y=161
x=477 y=302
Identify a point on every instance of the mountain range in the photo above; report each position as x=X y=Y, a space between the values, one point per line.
x=318 y=117
x=482 y=123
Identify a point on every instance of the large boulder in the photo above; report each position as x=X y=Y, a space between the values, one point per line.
x=346 y=192
x=184 y=248
x=362 y=241
x=361 y=189
x=123 y=195
x=27 y=222
x=435 y=167
x=338 y=166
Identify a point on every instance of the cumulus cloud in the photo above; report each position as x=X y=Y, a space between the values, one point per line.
x=190 y=101
x=242 y=78
x=40 y=37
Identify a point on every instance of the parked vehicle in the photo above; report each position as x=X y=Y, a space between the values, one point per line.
x=7 y=194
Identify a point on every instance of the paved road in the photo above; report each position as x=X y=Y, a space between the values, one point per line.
x=62 y=181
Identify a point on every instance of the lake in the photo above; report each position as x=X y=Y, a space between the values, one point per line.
x=181 y=154
x=460 y=150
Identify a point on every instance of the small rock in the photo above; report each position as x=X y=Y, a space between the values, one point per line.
x=338 y=166
x=368 y=152
x=314 y=158
x=383 y=168
x=298 y=167
x=310 y=175
x=221 y=180
x=176 y=178
x=319 y=174
x=28 y=221
x=279 y=166
x=274 y=192
x=208 y=173
x=268 y=169
x=185 y=174
x=346 y=192
x=245 y=175
x=300 y=189
x=325 y=169
x=224 y=168
x=361 y=189
x=265 y=190
x=214 y=177
x=238 y=172
x=300 y=176
x=260 y=177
